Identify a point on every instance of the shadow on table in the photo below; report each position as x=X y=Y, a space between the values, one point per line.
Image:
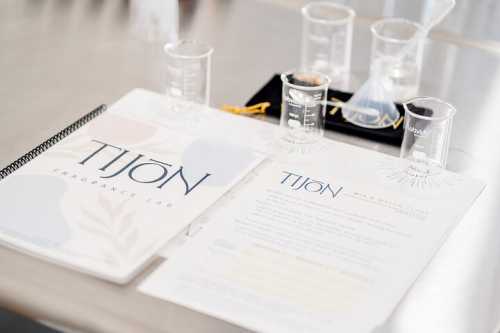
x=13 y=323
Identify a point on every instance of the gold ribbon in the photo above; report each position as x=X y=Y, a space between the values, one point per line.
x=259 y=108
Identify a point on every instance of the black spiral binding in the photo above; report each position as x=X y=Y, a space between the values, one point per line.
x=50 y=142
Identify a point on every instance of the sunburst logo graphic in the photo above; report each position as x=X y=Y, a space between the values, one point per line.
x=417 y=175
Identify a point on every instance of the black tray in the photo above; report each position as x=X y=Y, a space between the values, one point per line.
x=271 y=92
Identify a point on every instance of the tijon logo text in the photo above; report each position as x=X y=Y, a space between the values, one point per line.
x=163 y=174
x=302 y=183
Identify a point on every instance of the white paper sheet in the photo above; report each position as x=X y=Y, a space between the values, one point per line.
x=330 y=244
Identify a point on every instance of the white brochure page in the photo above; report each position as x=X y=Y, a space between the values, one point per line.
x=330 y=244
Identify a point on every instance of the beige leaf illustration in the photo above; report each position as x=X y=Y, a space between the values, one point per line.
x=131 y=239
x=118 y=210
x=91 y=216
x=124 y=245
x=106 y=204
x=93 y=230
x=126 y=223
x=110 y=258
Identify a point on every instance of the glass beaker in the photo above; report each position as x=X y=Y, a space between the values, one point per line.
x=327 y=40
x=303 y=106
x=188 y=71
x=427 y=131
x=391 y=58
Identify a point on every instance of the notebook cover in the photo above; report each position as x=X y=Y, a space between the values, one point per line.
x=105 y=198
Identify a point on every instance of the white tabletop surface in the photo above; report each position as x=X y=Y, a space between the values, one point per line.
x=61 y=58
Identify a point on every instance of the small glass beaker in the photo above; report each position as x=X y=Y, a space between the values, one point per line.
x=327 y=40
x=396 y=55
x=427 y=131
x=188 y=71
x=303 y=106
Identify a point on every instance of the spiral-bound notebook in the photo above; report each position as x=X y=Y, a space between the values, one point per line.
x=104 y=195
